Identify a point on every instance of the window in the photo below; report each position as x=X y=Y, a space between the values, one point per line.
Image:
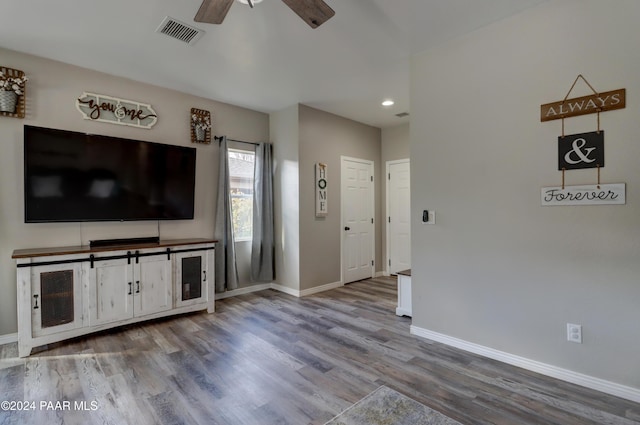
x=241 y=166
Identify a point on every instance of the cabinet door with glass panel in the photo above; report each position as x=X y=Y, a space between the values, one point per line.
x=56 y=298
x=191 y=277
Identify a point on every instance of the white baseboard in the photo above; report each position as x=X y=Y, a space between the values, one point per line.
x=241 y=291
x=403 y=312
x=8 y=338
x=290 y=291
x=285 y=289
x=306 y=292
x=321 y=288
x=587 y=381
x=278 y=287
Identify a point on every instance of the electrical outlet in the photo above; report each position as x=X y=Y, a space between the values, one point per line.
x=574 y=333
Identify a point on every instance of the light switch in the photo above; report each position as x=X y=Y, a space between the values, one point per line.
x=428 y=217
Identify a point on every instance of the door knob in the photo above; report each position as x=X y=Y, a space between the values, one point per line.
x=347 y=228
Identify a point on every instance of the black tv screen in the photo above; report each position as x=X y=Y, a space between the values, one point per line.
x=70 y=176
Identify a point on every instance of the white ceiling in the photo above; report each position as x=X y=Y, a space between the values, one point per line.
x=264 y=58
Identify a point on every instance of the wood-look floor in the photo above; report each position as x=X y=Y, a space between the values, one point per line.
x=269 y=358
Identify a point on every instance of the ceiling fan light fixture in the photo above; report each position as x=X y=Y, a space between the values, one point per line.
x=313 y=12
x=250 y=2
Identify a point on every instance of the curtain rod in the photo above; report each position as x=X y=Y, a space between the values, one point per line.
x=219 y=139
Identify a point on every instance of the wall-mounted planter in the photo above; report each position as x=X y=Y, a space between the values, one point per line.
x=200 y=126
x=12 y=104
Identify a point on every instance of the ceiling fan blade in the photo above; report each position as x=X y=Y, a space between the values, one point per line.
x=313 y=12
x=213 y=11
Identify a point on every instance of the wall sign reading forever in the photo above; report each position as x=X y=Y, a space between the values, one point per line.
x=604 y=194
x=99 y=107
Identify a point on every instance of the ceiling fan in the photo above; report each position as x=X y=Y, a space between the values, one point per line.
x=313 y=12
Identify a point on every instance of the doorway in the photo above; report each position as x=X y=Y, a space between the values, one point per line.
x=357 y=205
x=398 y=216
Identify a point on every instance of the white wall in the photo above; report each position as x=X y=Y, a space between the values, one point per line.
x=498 y=269
x=51 y=93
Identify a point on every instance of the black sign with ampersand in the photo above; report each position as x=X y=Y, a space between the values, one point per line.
x=585 y=150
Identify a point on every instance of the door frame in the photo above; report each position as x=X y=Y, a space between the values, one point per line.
x=372 y=207
x=387 y=271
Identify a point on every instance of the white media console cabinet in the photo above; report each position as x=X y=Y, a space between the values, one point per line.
x=404 y=293
x=72 y=291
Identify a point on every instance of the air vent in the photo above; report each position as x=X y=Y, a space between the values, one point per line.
x=180 y=31
x=402 y=114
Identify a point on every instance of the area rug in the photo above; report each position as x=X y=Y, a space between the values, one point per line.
x=385 y=406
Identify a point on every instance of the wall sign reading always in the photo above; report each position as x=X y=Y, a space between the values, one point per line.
x=99 y=107
x=608 y=101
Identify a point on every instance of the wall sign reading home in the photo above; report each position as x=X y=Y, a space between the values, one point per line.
x=99 y=107
x=321 y=190
x=577 y=151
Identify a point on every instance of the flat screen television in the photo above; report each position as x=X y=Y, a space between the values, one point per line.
x=73 y=177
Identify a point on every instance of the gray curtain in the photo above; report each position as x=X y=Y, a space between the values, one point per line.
x=226 y=269
x=262 y=245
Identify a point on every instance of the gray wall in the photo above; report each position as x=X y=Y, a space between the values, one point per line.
x=51 y=93
x=395 y=143
x=284 y=134
x=498 y=269
x=325 y=138
x=395 y=146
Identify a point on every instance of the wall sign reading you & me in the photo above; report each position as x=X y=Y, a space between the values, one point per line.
x=99 y=107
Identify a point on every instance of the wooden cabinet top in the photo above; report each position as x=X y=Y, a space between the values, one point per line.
x=86 y=249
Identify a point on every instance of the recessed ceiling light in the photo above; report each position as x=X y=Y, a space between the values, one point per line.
x=250 y=3
x=388 y=102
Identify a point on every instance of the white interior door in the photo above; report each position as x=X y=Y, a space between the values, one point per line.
x=398 y=216
x=358 y=240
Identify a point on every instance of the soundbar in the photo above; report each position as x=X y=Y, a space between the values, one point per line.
x=126 y=241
